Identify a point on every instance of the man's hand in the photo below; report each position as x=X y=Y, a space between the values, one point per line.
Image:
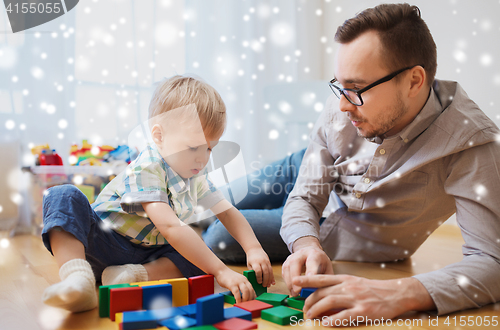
x=258 y=260
x=307 y=254
x=347 y=296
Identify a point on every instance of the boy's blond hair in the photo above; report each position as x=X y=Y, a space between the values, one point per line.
x=180 y=91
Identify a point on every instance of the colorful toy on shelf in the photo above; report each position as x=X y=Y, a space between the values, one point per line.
x=88 y=154
x=46 y=155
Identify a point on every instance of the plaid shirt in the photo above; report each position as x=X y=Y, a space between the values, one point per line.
x=150 y=179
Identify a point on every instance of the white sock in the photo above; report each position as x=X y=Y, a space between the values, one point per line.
x=124 y=274
x=76 y=292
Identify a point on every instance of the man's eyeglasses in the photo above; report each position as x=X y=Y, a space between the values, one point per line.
x=353 y=95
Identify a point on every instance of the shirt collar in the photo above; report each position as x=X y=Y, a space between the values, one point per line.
x=431 y=110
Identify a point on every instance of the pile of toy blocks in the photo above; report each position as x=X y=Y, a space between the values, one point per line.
x=190 y=303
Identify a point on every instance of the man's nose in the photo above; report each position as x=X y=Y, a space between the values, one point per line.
x=345 y=105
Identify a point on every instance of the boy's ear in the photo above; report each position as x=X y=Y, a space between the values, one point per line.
x=157 y=134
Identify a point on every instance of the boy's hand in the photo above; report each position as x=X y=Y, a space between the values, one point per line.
x=258 y=260
x=236 y=283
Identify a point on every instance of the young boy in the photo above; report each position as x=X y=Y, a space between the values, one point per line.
x=135 y=230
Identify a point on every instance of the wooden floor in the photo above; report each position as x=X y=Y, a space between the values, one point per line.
x=27 y=268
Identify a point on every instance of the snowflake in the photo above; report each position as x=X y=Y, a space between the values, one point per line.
x=273 y=134
x=4 y=242
x=462 y=280
x=37 y=73
x=10 y=124
x=460 y=56
x=486 y=59
x=380 y=202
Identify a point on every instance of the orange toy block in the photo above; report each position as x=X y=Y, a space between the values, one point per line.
x=123 y=300
x=180 y=291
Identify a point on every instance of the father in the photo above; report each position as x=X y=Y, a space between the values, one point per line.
x=394 y=154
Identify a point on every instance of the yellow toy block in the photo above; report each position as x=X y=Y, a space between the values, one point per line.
x=147 y=283
x=119 y=318
x=180 y=291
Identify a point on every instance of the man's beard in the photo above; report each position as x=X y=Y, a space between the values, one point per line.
x=386 y=121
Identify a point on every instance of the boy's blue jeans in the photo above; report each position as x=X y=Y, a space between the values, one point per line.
x=65 y=207
x=268 y=190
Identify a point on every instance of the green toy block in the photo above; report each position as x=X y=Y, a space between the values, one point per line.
x=258 y=288
x=228 y=297
x=204 y=327
x=104 y=297
x=274 y=299
x=295 y=302
x=281 y=315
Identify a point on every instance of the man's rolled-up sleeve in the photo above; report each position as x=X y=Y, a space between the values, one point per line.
x=314 y=184
x=474 y=181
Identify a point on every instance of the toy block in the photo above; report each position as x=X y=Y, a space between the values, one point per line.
x=190 y=310
x=228 y=297
x=233 y=312
x=180 y=291
x=119 y=317
x=210 y=309
x=104 y=298
x=156 y=296
x=252 y=278
x=124 y=299
x=254 y=307
x=147 y=283
x=138 y=320
x=204 y=327
x=274 y=299
x=295 y=302
x=306 y=292
x=178 y=322
x=200 y=286
x=281 y=315
x=167 y=313
x=236 y=324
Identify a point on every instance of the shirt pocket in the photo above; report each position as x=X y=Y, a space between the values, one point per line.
x=405 y=196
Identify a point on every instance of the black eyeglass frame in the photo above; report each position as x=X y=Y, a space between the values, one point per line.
x=358 y=92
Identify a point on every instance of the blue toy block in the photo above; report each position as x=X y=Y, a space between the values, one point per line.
x=167 y=313
x=138 y=320
x=306 y=292
x=190 y=310
x=231 y=312
x=157 y=296
x=178 y=322
x=210 y=309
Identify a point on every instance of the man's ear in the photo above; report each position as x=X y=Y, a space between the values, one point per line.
x=157 y=135
x=418 y=76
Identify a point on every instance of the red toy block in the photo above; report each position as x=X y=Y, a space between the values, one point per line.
x=254 y=307
x=200 y=286
x=124 y=300
x=236 y=324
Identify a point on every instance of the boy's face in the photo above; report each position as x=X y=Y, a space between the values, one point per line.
x=187 y=154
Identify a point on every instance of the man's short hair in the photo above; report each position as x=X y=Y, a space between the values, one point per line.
x=179 y=91
x=405 y=38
